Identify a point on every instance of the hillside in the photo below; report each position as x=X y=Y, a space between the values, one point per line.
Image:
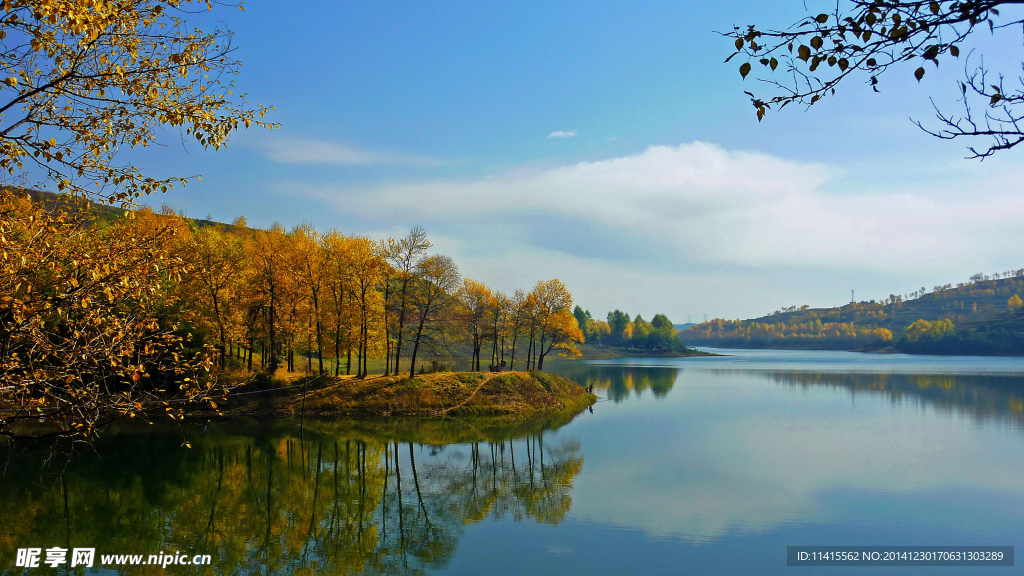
x=98 y=213
x=446 y=394
x=970 y=318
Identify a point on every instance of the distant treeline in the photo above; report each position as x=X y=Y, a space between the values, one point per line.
x=658 y=335
x=977 y=317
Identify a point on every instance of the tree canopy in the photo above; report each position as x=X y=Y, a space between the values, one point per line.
x=808 y=60
x=82 y=79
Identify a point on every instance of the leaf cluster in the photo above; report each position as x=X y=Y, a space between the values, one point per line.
x=82 y=79
x=807 y=61
x=86 y=319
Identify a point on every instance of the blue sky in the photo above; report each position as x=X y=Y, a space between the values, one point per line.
x=604 y=143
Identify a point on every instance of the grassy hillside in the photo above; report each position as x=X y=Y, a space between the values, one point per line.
x=976 y=318
x=446 y=394
x=98 y=213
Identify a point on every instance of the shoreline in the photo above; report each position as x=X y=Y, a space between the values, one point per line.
x=440 y=395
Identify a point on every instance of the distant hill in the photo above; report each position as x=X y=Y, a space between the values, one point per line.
x=98 y=213
x=970 y=318
x=682 y=327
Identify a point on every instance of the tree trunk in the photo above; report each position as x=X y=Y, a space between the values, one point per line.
x=401 y=324
x=337 y=352
x=387 y=328
x=309 y=355
x=223 y=336
x=416 y=347
x=542 y=353
x=359 y=354
x=366 y=349
x=273 y=338
x=319 y=346
x=494 y=346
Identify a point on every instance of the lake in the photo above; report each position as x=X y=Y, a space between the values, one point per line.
x=709 y=465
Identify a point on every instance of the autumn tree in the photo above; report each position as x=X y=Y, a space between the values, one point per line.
x=558 y=328
x=1014 y=303
x=518 y=321
x=808 y=60
x=338 y=284
x=367 y=267
x=474 y=297
x=498 y=313
x=268 y=251
x=597 y=331
x=923 y=328
x=84 y=79
x=85 y=336
x=431 y=298
x=404 y=256
x=530 y=312
x=310 y=268
x=215 y=281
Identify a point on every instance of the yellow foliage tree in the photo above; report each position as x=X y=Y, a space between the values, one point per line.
x=883 y=334
x=81 y=80
x=85 y=78
x=558 y=328
x=1014 y=303
x=341 y=310
x=922 y=328
x=82 y=336
x=474 y=299
x=216 y=283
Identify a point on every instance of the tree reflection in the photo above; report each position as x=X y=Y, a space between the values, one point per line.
x=274 y=502
x=618 y=381
x=982 y=398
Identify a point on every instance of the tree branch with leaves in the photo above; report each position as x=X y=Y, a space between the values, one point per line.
x=808 y=61
x=80 y=80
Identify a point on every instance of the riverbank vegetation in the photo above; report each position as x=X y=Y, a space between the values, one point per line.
x=111 y=317
x=980 y=316
x=446 y=394
x=620 y=336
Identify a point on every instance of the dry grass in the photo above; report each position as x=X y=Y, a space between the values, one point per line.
x=446 y=394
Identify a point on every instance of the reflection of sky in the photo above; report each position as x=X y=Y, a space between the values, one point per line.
x=733 y=452
x=825 y=361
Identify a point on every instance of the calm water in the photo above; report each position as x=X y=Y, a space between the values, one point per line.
x=685 y=466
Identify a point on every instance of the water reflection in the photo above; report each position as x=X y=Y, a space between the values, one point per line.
x=617 y=382
x=981 y=397
x=274 y=501
x=721 y=460
x=735 y=452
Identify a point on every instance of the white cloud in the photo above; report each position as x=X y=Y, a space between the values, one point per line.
x=734 y=233
x=562 y=134
x=306 y=151
x=717 y=206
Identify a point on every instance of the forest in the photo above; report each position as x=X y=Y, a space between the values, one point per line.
x=638 y=335
x=105 y=317
x=980 y=316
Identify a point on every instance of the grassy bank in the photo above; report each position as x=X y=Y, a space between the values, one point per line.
x=507 y=395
